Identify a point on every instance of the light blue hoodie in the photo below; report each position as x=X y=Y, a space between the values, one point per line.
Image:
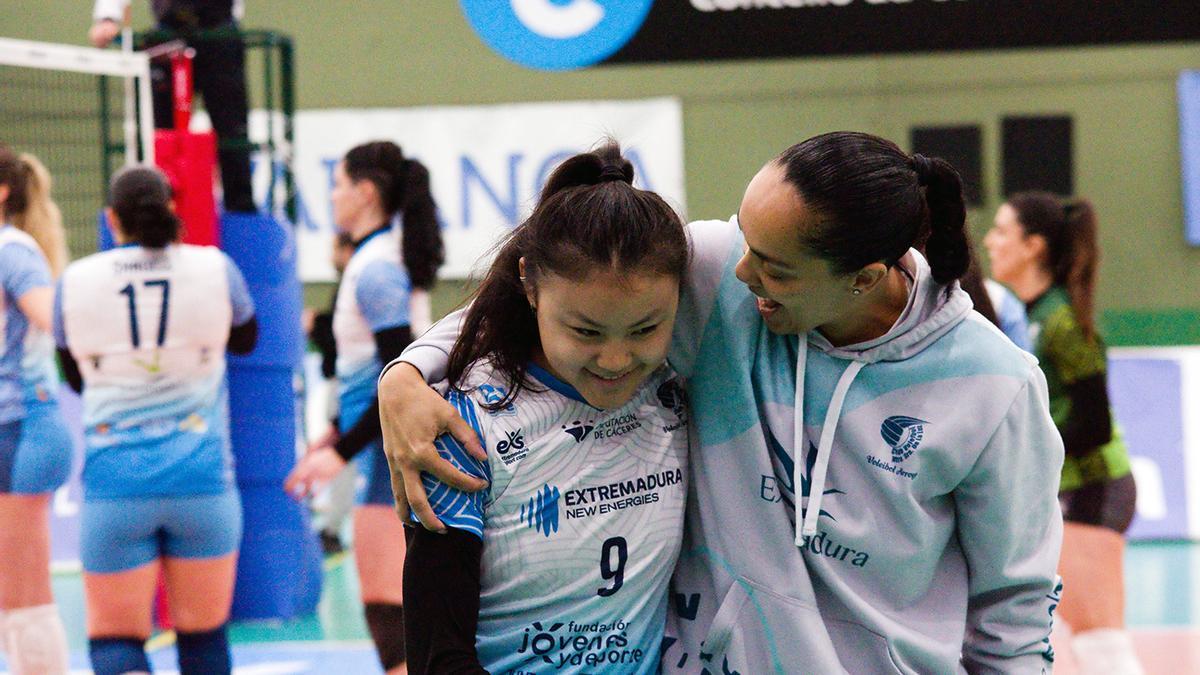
x=931 y=537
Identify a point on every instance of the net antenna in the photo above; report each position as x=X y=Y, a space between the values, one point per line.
x=134 y=67
x=130 y=102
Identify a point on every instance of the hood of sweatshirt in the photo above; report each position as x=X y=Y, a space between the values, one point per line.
x=932 y=311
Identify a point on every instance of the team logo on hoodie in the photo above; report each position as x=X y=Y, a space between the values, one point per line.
x=904 y=434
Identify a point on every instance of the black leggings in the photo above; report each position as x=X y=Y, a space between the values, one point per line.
x=1108 y=504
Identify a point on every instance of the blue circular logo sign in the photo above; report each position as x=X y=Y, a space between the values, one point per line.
x=556 y=34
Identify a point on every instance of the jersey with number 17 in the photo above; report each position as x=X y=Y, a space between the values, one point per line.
x=148 y=328
x=581 y=526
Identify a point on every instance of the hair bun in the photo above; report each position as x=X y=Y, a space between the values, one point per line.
x=616 y=172
x=923 y=166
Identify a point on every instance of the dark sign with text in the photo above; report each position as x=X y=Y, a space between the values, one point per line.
x=697 y=30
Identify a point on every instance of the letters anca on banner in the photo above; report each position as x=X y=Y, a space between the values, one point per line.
x=487 y=163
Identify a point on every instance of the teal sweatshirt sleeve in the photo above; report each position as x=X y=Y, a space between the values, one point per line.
x=712 y=243
x=1010 y=529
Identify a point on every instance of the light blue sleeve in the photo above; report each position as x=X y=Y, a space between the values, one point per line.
x=239 y=294
x=60 y=332
x=1013 y=321
x=23 y=270
x=382 y=295
x=458 y=509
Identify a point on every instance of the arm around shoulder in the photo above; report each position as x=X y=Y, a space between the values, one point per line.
x=712 y=242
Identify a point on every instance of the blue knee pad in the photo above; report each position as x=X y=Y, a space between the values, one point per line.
x=204 y=653
x=115 y=655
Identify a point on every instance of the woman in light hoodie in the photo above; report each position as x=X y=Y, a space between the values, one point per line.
x=874 y=469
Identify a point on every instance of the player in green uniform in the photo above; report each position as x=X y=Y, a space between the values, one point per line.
x=1046 y=250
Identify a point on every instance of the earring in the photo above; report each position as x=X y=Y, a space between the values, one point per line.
x=856 y=291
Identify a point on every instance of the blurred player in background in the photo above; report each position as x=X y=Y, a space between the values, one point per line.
x=142 y=330
x=35 y=453
x=333 y=507
x=1046 y=250
x=372 y=324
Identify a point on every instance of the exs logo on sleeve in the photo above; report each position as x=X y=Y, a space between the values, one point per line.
x=556 y=34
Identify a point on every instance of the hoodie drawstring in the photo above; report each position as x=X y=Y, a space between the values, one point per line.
x=812 y=509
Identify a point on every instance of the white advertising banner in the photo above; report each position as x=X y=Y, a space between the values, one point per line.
x=487 y=163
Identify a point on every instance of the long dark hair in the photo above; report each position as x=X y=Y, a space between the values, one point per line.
x=1072 y=250
x=141 y=198
x=875 y=202
x=403 y=187
x=589 y=217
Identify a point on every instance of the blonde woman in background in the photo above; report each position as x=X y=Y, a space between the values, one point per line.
x=35 y=452
x=43 y=431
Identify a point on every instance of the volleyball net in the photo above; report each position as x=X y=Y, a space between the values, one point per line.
x=83 y=112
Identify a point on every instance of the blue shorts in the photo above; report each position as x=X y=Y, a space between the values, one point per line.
x=43 y=461
x=10 y=438
x=376 y=485
x=122 y=534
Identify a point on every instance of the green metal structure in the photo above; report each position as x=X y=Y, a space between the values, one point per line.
x=272 y=88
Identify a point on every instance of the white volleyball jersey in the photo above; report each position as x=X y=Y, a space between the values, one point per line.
x=581 y=525
x=373 y=296
x=148 y=328
x=22 y=269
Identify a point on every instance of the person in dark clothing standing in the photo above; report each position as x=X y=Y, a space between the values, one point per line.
x=220 y=76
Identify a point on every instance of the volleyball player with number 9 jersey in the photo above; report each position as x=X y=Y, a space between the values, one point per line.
x=143 y=328
x=562 y=564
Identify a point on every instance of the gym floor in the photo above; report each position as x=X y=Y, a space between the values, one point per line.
x=1162 y=594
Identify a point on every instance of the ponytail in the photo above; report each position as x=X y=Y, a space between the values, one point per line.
x=42 y=218
x=1079 y=268
x=947 y=249
x=421 y=236
x=403 y=187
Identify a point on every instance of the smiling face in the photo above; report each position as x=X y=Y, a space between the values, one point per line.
x=1009 y=249
x=606 y=333
x=797 y=292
